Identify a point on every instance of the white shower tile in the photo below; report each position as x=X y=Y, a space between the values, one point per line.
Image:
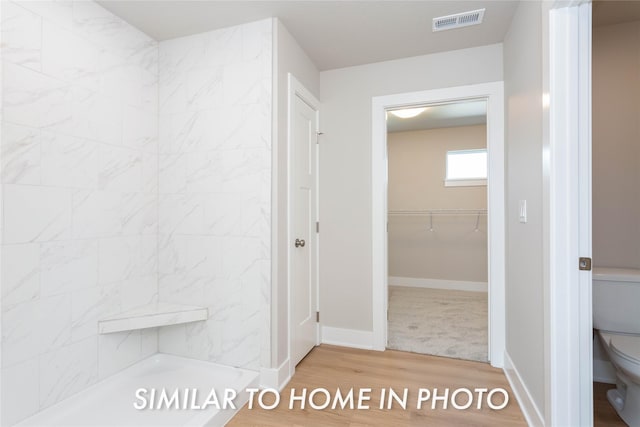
x=149 y=255
x=19 y=397
x=204 y=172
x=183 y=132
x=67 y=371
x=182 y=288
x=20 y=274
x=256 y=39
x=21 y=36
x=140 y=129
x=58 y=52
x=97 y=116
x=21 y=154
x=98 y=25
x=223 y=46
x=242 y=170
x=67 y=266
x=150 y=173
x=204 y=88
x=239 y=254
x=139 y=213
x=69 y=161
x=181 y=213
x=190 y=340
x=33 y=99
x=35 y=327
x=36 y=214
x=90 y=305
x=173 y=173
x=119 y=259
x=148 y=342
x=117 y=351
x=223 y=213
x=172 y=253
x=138 y=292
x=242 y=83
x=59 y=12
x=120 y=169
x=96 y=214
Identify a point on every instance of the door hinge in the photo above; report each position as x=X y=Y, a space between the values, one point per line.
x=317 y=317
x=584 y=264
x=318 y=133
x=317 y=226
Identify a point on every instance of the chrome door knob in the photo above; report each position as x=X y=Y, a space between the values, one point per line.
x=300 y=243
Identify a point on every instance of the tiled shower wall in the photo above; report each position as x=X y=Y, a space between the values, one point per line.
x=80 y=201
x=215 y=186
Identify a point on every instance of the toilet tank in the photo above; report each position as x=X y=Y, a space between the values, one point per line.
x=616 y=300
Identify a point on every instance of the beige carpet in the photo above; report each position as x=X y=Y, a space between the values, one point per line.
x=438 y=322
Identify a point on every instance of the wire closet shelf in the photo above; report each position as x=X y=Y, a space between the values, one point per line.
x=430 y=213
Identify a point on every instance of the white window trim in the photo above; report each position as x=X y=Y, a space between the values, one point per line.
x=465 y=182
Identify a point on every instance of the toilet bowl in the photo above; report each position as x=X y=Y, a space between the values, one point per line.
x=616 y=296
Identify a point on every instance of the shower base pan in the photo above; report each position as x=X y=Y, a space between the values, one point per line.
x=111 y=401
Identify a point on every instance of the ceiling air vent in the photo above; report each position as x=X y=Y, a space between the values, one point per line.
x=458 y=20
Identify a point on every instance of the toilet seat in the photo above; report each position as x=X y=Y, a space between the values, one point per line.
x=625 y=346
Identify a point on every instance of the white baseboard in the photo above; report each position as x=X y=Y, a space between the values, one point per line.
x=457 y=285
x=275 y=378
x=603 y=372
x=529 y=408
x=347 y=337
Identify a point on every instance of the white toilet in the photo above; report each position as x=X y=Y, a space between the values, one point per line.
x=616 y=316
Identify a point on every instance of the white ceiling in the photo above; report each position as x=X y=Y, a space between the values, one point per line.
x=334 y=34
x=441 y=116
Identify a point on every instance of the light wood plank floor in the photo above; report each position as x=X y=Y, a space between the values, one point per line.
x=603 y=413
x=333 y=367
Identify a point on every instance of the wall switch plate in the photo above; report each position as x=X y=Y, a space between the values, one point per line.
x=523 y=211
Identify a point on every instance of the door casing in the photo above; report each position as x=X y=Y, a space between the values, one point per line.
x=493 y=93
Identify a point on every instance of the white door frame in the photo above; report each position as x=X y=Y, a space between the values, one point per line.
x=570 y=323
x=296 y=89
x=494 y=94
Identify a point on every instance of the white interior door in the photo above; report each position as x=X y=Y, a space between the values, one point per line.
x=302 y=236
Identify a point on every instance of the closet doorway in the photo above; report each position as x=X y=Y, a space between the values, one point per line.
x=437 y=230
x=439 y=218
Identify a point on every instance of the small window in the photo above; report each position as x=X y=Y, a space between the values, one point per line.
x=466 y=168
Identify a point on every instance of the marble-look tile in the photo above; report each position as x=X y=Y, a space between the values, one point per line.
x=204 y=86
x=59 y=12
x=20 y=274
x=21 y=155
x=148 y=342
x=96 y=214
x=256 y=39
x=140 y=129
x=90 y=305
x=224 y=46
x=182 y=288
x=117 y=351
x=150 y=175
x=172 y=173
x=67 y=371
x=204 y=172
x=35 y=327
x=239 y=254
x=242 y=169
x=119 y=259
x=137 y=292
x=149 y=255
x=67 y=161
x=36 y=100
x=181 y=213
x=120 y=169
x=189 y=340
x=21 y=36
x=242 y=85
x=19 y=397
x=172 y=253
x=67 y=266
x=139 y=213
x=183 y=132
x=36 y=214
x=223 y=214
x=97 y=116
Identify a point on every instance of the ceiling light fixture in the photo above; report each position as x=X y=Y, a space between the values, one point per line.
x=408 y=113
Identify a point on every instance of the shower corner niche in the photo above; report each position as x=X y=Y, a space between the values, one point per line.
x=152 y=316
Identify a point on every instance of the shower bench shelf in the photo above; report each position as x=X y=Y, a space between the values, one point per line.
x=151 y=316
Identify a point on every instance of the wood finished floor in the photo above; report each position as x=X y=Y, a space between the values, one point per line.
x=333 y=367
x=603 y=413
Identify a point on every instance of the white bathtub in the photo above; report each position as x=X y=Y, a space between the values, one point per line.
x=111 y=402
